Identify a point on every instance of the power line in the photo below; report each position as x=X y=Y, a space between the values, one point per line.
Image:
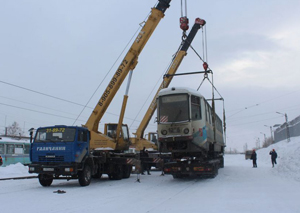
x=51 y=96
x=36 y=105
x=260 y=114
x=36 y=111
x=254 y=121
x=51 y=113
x=263 y=102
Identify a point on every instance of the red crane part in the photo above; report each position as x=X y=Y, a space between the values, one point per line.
x=205 y=66
x=200 y=21
x=184 y=23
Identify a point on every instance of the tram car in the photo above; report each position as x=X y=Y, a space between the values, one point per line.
x=14 y=150
x=185 y=124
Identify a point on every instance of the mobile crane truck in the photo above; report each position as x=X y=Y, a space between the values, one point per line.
x=138 y=142
x=72 y=152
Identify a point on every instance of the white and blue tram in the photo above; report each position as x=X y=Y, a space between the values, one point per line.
x=14 y=150
x=185 y=124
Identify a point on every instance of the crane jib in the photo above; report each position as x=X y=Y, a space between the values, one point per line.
x=112 y=83
x=128 y=63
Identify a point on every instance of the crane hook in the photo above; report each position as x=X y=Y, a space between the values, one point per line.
x=184 y=23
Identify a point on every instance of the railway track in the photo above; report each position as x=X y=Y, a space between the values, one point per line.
x=19 y=178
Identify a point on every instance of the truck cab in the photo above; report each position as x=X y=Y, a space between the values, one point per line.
x=58 y=150
x=60 y=144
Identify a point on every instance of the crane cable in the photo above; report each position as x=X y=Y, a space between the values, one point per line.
x=184 y=21
x=182 y=8
x=184 y=26
x=205 y=65
x=158 y=81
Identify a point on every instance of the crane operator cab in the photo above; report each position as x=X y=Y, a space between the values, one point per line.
x=152 y=136
x=111 y=131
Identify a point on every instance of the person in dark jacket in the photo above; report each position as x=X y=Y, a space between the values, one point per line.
x=144 y=158
x=273 y=157
x=254 y=157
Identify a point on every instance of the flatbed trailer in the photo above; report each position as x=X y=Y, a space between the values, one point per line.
x=192 y=168
x=156 y=159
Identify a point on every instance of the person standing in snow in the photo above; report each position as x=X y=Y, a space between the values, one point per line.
x=254 y=157
x=273 y=157
x=144 y=157
x=147 y=166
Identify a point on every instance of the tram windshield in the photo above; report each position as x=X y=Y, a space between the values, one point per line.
x=173 y=108
x=55 y=135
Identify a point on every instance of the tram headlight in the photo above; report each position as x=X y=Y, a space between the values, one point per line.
x=186 y=131
x=164 y=132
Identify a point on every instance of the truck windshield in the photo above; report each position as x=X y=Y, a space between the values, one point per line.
x=173 y=108
x=55 y=134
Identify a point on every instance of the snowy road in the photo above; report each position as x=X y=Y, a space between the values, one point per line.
x=237 y=188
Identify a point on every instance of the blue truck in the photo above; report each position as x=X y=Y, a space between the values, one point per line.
x=63 y=152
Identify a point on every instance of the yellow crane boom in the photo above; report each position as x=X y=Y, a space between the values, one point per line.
x=128 y=63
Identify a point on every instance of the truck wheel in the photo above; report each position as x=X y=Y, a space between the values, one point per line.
x=176 y=176
x=85 y=176
x=222 y=162
x=215 y=171
x=98 y=174
x=127 y=171
x=45 y=180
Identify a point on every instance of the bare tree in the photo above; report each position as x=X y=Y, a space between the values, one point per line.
x=267 y=142
x=14 y=130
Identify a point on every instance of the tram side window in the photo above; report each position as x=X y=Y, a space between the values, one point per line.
x=19 y=149
x=10 y=149
x=1 y=148
x=205 y=106
x=209 y=115
x=208 y=110
x=196 y=109
x=26 y=149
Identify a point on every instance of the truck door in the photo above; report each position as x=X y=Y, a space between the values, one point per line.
x=82 y=145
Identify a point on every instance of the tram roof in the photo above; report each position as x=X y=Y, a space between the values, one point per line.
x=171 y=90
x=14 y=139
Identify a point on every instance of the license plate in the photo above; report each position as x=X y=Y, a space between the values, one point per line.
x=199 y=169
x=174 y=130
x=48 y=169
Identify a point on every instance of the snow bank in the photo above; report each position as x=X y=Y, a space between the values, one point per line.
x=288 y=160
x=14 y=170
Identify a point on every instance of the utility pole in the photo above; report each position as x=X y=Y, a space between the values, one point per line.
x=271 y=131
x=265 y=139
x=286 y=126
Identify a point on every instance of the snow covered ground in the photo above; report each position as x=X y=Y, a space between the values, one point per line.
x=237 y=188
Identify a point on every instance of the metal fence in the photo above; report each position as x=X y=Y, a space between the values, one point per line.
x=286 y=130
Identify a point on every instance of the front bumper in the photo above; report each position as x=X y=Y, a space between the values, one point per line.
x=64 y=170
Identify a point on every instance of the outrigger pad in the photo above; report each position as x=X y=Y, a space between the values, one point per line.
x=59 y=191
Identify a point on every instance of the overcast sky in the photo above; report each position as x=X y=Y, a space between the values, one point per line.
x=54 y=54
